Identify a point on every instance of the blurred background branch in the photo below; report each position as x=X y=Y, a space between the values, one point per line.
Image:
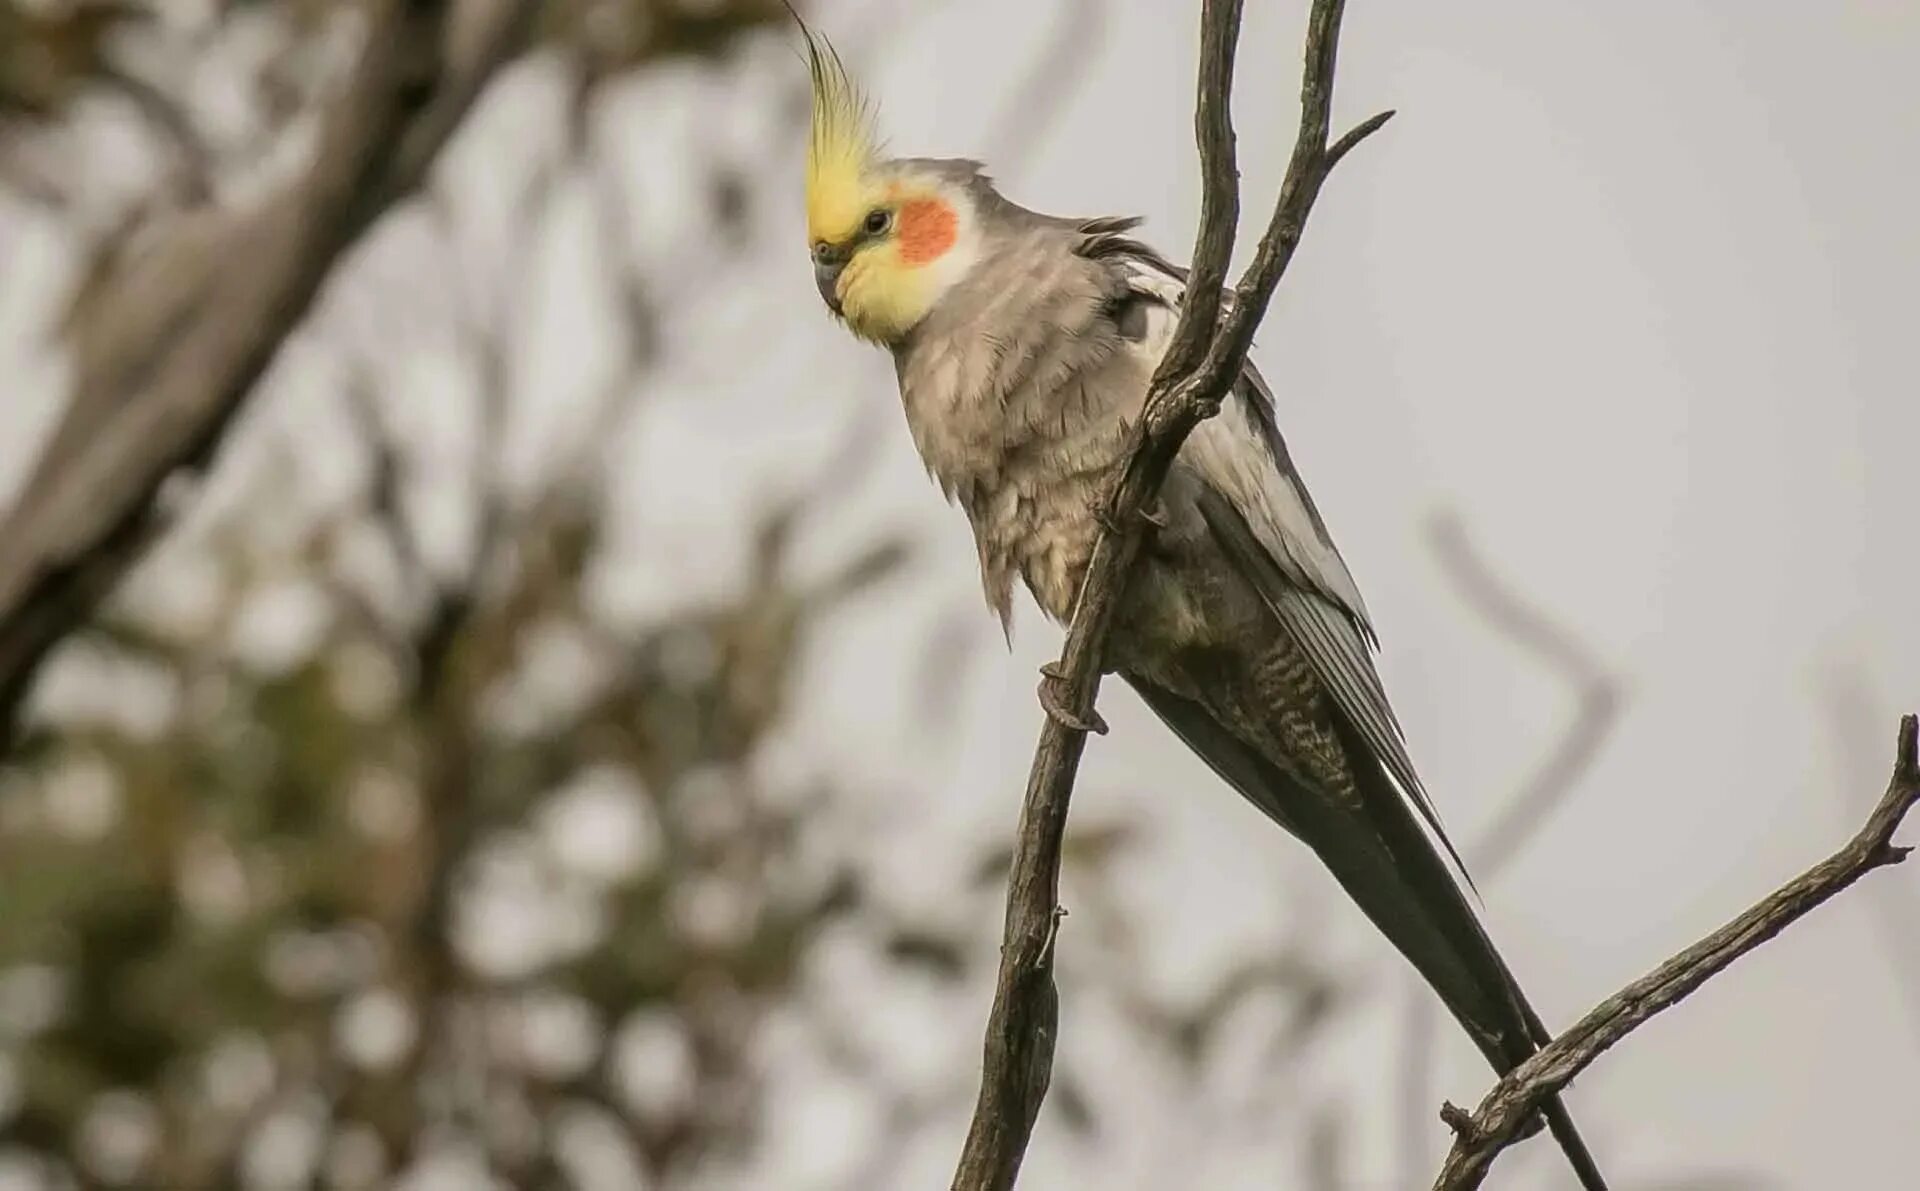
x=1557 y=650
x=170 y=355
x=1518 y=817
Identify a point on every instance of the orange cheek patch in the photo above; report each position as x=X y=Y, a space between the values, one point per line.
x=928 y=227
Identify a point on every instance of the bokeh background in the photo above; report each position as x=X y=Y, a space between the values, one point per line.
x=559 y=740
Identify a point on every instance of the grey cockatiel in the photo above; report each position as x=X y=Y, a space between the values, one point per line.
x=1024 y=345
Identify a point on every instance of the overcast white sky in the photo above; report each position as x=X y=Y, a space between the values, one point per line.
x=1632 y=289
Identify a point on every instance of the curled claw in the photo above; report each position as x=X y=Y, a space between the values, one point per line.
x=1103 y=515
x=1053 y=934
x=1102 y=512
x=1066 y=718
x=1059 y=712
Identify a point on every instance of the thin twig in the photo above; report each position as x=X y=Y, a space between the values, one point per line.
x=1852 y=708
x=1204 y=357
x=1497 y=1123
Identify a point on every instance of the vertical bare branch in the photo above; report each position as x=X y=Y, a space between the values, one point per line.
x=1205 y=356
x=1219 y=193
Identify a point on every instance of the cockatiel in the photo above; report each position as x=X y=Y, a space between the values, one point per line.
x=1023 y=345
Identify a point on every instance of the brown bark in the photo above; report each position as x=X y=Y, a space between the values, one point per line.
x=1480 y=1136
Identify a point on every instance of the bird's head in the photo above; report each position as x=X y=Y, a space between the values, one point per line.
x=888 y=237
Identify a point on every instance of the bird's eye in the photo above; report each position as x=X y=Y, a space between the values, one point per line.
x=878 y=221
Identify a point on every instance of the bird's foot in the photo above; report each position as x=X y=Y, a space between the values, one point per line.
x=1050 y=679
x=1053 y=934
x=1101 y=509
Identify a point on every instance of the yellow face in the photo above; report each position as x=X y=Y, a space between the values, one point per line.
x=882 y=269
x=881 y=238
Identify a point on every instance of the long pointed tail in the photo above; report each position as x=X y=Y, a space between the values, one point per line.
x=1394 y=874
x=1423 y=910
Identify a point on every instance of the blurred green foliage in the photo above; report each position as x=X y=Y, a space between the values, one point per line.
x=52 y=50
x=324 y=912
x=292 y=843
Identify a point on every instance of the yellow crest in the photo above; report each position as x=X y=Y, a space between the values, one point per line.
x=841 y=148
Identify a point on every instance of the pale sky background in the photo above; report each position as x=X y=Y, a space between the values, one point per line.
x=1631 y=288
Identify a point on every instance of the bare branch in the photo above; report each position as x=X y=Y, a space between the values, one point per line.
x=1498 y=1122
x=1205 y=356
x=1219 y=194
x=1852 y=709
x=1355 y=135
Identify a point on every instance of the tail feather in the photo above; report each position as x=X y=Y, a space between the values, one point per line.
x=1491 y=1005
x=1392 y=872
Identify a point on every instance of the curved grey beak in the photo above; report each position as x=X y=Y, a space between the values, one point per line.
x=826 y=275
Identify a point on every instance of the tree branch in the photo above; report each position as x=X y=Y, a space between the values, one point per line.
x=1202 y=361
x=1498 y=1122
x=1852 y=708
x=166 y=395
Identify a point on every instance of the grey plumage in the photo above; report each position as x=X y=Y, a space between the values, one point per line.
x=1243 y=628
